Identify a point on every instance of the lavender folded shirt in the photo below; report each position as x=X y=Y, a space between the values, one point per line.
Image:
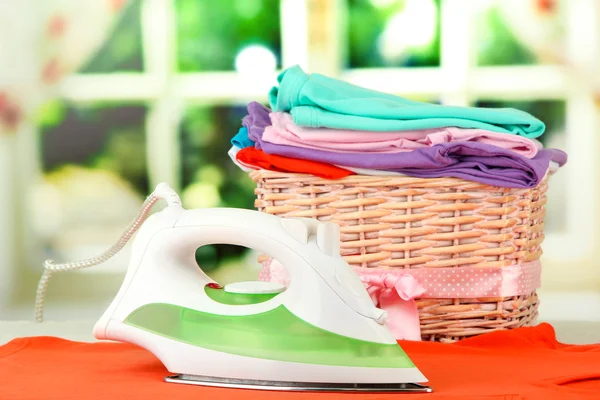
x=257 y=120
x=468 y=160
x=478 y=162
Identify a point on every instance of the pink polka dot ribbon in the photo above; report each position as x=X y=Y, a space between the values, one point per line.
x=462 y=282
x=469 y=282
x=395 y=290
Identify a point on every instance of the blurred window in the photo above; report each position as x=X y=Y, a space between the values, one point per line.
x=208 y=54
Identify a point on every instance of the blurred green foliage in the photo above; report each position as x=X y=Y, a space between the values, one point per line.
x=205 y=139
x=204 y=142
x=123 y=52
x=51 y=113
x=497 y=45
x=211 y=33
x=106 y=136
x=366 y=22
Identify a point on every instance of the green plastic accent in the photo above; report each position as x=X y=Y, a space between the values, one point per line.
x=236 y=299
x=275 y=335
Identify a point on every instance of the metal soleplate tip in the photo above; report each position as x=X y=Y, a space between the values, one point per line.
x=298 y=386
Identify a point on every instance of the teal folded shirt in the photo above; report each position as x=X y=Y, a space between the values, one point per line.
x=241 y=140
x=318 y=101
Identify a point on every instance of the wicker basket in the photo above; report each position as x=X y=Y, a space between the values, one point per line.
x=402 y=222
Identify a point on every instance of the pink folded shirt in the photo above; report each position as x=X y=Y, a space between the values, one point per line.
x=284 y=131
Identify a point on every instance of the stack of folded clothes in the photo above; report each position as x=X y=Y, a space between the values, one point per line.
x=332 y=129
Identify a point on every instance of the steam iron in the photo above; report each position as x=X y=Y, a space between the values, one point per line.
x=321 y=333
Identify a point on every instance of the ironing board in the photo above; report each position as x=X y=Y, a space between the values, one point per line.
x=117 y=369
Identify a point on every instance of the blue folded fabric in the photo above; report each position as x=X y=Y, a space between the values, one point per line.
x=241 y=139
x=318 y=101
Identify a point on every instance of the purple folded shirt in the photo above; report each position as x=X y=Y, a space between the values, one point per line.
x=473 y=161
x=257 y=120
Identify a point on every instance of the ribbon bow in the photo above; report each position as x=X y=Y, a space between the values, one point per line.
x=395 y=293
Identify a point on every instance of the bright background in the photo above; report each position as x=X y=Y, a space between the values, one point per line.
x=164 y=87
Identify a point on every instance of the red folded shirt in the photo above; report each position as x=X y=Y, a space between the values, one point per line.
x=525 y=363
x=252 y=157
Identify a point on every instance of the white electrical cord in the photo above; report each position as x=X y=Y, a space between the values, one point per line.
x=162 y=192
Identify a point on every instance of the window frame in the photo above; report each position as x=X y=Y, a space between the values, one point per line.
x=457 y=81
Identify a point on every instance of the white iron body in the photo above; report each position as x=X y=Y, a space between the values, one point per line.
x=324 y=292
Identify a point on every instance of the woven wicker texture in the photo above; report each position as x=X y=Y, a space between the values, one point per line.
x=404 y=222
